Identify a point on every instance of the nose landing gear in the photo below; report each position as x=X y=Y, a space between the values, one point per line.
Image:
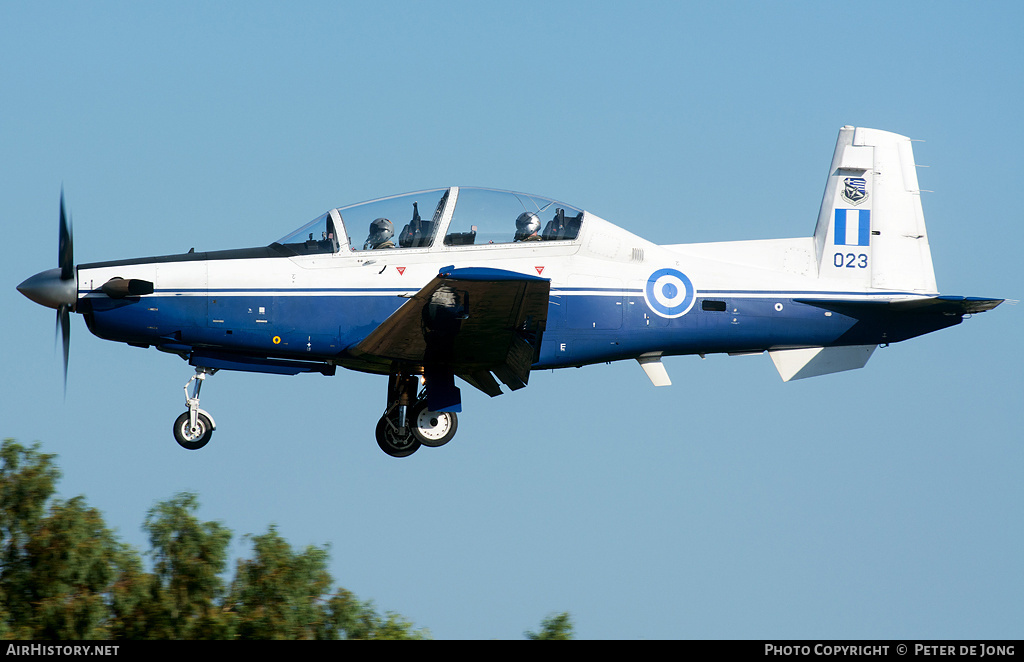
x=193 y=429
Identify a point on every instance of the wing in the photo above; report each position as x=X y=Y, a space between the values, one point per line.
x=466 y=322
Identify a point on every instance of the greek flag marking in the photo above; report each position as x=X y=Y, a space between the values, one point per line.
x=853 y=227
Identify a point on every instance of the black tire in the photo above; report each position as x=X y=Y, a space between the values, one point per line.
x=432 y=428
x=189 y=439
x=393 y=444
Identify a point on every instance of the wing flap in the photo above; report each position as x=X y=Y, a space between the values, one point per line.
x=469 y=322
x=482 y=380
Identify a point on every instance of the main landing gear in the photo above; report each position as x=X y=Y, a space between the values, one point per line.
x=407 y=423
x=193 y=429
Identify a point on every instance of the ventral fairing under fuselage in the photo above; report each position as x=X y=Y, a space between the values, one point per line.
x=487 y=285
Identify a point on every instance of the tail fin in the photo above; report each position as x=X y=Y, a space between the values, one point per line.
x=871 y=231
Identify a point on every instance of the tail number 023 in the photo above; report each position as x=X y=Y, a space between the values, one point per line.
x=850 y=260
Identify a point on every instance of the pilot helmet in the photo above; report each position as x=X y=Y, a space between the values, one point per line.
x=381 y=230
x=527 y=224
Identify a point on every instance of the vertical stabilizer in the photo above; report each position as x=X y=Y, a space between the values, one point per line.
x=870 y=230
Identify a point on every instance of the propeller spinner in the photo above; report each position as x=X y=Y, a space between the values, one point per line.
x=58 y=288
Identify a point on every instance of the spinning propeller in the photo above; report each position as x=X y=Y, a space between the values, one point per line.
x=58 y=288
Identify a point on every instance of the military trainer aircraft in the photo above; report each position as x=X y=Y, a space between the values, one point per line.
x=488 y=285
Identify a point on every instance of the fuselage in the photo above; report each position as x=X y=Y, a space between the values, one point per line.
x=613 y=296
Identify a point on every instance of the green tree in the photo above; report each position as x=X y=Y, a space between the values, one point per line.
x=73 y=560
x=279 y=594
x=360 y=620
x=554 y=627
x=188 y=559
x=27 y=479
x=283 y=594
x=58 y=565
x=134 y=600
x=64 y=575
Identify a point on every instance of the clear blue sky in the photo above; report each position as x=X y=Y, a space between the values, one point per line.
x=884 y=502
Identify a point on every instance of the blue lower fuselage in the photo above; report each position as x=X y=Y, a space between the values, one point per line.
x=582 y=328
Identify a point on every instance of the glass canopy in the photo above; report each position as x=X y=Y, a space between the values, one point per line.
x=478 y=216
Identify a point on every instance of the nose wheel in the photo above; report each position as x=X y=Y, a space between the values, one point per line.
x=193 y=429
x=193 y=436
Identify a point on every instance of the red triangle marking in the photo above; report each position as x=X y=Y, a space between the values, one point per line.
x=540 y=270
x=401 y=270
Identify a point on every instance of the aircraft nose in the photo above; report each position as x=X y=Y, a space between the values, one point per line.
x=48 y=289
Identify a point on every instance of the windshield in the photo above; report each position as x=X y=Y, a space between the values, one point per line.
x=317 y=236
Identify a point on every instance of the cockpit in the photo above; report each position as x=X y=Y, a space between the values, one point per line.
x=466 y=217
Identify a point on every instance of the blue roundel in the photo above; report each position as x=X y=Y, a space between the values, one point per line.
x=669 y=293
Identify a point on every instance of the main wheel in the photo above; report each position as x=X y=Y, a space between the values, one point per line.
x=433 y=428
x=391 y=442
x=192 y=438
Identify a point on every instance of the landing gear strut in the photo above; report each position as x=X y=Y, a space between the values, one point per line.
x=193 y=429
x=407 y=423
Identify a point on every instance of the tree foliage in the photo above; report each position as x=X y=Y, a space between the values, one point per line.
x=554 y=627
x=65 y=576
x=188 y=559
x=58 y=561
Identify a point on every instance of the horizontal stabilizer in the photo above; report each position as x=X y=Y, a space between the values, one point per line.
x=814 y=361
x=950 y=305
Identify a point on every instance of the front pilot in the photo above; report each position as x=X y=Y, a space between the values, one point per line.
x=381 y=231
